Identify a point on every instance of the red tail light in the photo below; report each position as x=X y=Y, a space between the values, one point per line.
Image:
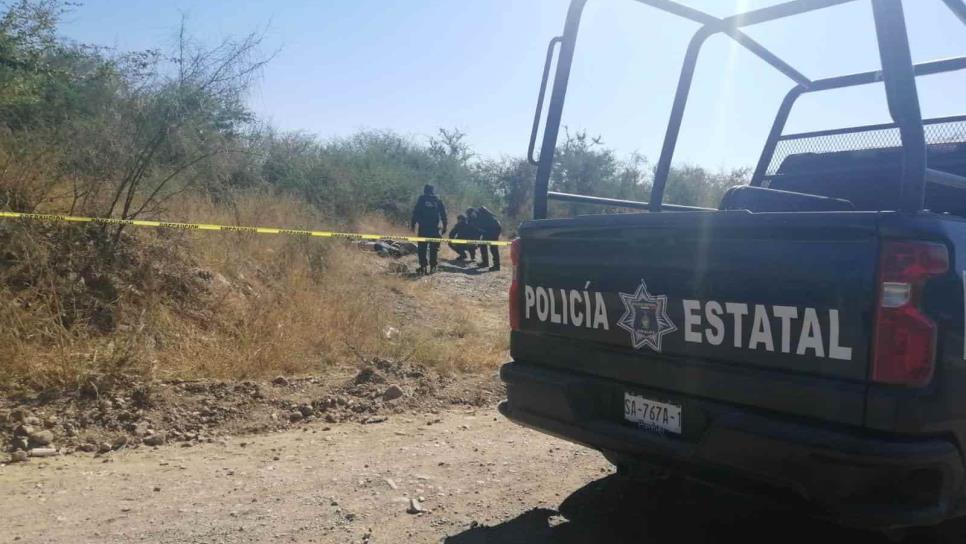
x=515 y=285
x=904 y=351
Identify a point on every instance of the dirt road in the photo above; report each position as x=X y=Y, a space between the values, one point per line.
x=480 y=479
x=322 y=483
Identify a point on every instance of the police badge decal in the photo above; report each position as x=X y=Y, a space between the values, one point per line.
x=645 y=318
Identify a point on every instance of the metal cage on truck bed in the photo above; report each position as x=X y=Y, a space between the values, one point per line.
x=915 y=143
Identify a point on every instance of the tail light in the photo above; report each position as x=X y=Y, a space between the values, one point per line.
x=904 y=351
x=515 y=285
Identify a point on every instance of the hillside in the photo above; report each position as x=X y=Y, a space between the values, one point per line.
x=435 y=341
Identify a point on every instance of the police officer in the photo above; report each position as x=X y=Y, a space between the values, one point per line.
x=463 y=231
x=473 y=229
x=490 y=229
x=428 y=213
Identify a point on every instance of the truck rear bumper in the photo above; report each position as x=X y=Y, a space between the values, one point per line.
x=858 y=479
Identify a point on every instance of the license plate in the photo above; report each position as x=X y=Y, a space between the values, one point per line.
x=651 y=413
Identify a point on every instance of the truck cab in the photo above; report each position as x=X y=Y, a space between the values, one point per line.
x=807 y=337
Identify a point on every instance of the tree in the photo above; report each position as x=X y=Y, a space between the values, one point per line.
x=451 y=145
x=169 y=123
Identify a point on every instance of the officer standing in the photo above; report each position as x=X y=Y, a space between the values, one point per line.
x=428 y=213
x=490 y=229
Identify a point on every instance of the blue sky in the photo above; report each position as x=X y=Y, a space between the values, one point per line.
x=414 y=66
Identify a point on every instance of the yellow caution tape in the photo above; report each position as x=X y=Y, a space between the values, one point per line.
x=255 y=230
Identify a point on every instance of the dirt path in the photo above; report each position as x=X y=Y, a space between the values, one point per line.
x=323 y=483
x=481 y=479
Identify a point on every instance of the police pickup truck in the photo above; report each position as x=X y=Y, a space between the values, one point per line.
x=805 y=337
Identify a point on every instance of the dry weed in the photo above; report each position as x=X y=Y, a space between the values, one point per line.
x=229 y=305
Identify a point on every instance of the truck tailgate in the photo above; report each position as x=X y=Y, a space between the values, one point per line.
x=770 y=310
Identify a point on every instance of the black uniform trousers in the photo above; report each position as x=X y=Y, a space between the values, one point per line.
x=422 y=248
x=491 y=234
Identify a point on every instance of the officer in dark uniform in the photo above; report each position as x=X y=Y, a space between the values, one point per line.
x=428 y=213
x=473 y=227
x=463 y=231
x=490 y=229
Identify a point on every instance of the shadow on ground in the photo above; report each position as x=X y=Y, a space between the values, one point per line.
x=452 y=267
x=613 y=510
x=462 y=268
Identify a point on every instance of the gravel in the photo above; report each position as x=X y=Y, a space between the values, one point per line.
x=415 y=507
x=18 y=456
x=40 y=438
x=154 y=439
x=392 y=392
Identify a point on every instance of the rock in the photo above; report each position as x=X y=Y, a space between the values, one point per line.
x=414 y=507
x=104 y=447
x=120 y=443
x=31 y=420
x=19 y=456
x=154 y=439
x=23 y=430
x=329 y=418
x=392 y=392
x=17 y=415
x=391 y=483
x=295 y=417
x=280 y=381
x=375 y=419
x=41 y=438
x=306 y=409
x=19 y=443
x=51 y=421
x=42 y=452
x=368 y=375
x=390 y=333
x=140 y=429
x=88 y=448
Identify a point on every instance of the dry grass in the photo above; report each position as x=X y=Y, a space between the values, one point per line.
x=457 y=334
x=233 y=305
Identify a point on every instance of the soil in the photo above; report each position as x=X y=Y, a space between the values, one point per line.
x=130 y=414
x=194 y=412
x=475 y=478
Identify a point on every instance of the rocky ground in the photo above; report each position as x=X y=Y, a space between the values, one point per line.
x=191 y=413
x=131 y=414
x=462 y=475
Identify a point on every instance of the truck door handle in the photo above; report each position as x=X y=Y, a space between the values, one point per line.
x=543 y=90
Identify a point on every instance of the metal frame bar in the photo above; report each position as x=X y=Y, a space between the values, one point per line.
x=565 y=59
x=617 y=202
x=839 y=82
x=945 y=178
x=867 y=128
x=898 y=74
x=902 y=96
x=543 y=91
x=958 y=8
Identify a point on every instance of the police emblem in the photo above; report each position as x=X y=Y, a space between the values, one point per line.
x=645 y=318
